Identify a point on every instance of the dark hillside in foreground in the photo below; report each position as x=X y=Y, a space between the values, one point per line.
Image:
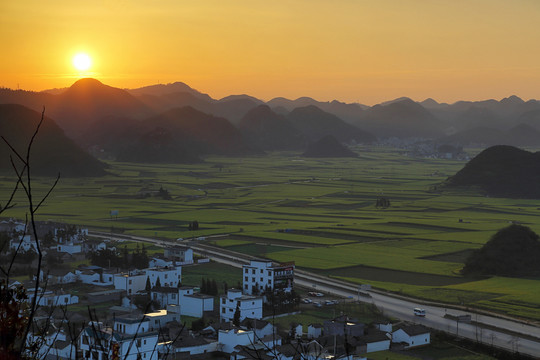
x=328 y=147
x=503 y=171
x=52 y=152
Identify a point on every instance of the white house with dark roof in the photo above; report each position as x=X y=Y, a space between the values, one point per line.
x=314 y=331
x=412 y=336
x=183 y=254
x=261 y=328
x=249 y=306
x=165 y=296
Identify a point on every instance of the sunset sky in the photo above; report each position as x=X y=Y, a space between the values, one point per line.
x=353 y=51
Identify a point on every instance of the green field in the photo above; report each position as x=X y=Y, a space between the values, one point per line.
x=320 y=213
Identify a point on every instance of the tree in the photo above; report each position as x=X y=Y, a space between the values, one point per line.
x=148 y=286
x=16 y=321
x=236 y=317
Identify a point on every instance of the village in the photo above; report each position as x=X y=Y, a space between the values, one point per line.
x=137 y=312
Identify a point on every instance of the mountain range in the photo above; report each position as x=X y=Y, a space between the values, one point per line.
x=175 y=118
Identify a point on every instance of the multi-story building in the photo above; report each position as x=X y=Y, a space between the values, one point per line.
x=132 y=281
x=169 y=276
x=179 y=253
x=259 y=275
x=130 y=338
x=248 y=305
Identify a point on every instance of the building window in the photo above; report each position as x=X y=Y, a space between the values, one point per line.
x=223 y=301
x=245 y=287
x=246 y=278
x=253 y=271
x=223 y=310
x=247 y=271
x=261 y=271
x=261 y=279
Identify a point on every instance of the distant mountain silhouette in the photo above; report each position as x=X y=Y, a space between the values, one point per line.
x=429 y=103
x=157 y=146
x=531 y=118
x=269 y=131
x=503 y=171
x=205 y=132
x=478 y=136
x=88 y=100
x=328 y=146
x=168 y=89
x=347 y=112
x=315 y=123
x=401 y=118
x=52 y=152
x=519 y=135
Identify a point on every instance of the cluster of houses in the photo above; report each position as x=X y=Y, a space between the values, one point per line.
x=241 y=333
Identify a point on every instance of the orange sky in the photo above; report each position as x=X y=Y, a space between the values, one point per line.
x=350 y=50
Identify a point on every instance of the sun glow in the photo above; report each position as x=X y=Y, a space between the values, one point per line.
x=82 y=62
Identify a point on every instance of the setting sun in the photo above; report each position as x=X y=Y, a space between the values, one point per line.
x=82 y=62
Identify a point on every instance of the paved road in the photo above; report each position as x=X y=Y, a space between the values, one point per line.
x=504 y=333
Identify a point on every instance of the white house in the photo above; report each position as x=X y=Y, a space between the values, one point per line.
x=132 y=281
x=165 y=296
x=194 y=304
x=168 y=276
x=24 y=243
x=374 y=341
x=261 y=328
x=412 y=335
x=229 y=339
x=183 y=254
x=249 y=306
x=50 y=298
x=69 y=248
x=259 y=275
x=130 y=338
x=314 y=331
x=58 y=276
x=54 y=344
x=158 y=319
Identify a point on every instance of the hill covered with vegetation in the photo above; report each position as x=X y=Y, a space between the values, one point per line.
x=513 y=251
x=52 y=152
x=502 y=170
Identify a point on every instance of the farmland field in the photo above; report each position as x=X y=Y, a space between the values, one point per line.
x=319 y=213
